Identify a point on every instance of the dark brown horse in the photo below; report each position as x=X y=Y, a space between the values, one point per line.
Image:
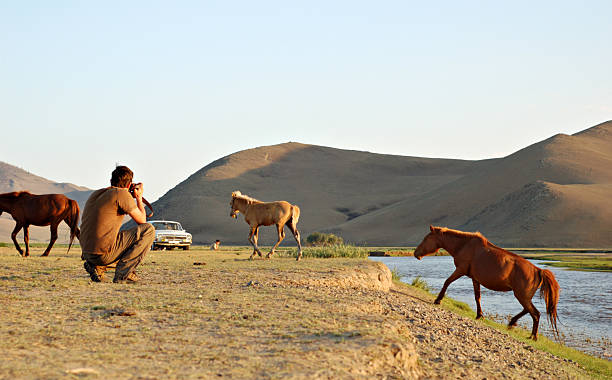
x=40 y=210
x=258 y=213
x=496 y=269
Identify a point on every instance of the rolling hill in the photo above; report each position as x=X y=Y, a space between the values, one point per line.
x=554 y=193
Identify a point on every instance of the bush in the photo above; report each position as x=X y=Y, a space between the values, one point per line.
x=395 y=275
x=318 y=239
x=418 y=282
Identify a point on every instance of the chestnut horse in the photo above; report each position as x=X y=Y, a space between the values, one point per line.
x=258 y=213
x=40 y=210
x=496 y=269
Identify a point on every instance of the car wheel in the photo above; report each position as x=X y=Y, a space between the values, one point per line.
x=186 y=248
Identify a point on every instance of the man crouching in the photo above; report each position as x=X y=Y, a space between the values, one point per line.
x=102 y=242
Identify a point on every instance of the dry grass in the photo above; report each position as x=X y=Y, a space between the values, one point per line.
x=225 y=317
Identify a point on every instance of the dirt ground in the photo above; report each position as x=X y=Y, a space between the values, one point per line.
x=198 y=314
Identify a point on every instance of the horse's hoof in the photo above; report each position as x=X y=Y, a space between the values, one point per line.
x=436 y=302
x=479 y=316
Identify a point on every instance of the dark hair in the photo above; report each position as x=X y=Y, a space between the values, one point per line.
x=121 y=177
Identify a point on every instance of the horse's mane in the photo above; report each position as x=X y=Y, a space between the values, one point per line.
x=238 y=194
x=14 y=194
x=464 y=234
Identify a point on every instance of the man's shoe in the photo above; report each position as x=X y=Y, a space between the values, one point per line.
x=131 y=278
x=96 y=273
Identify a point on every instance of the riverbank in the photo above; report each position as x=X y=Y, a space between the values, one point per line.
x=204 y=314
x=592 y=262
x=587 y=259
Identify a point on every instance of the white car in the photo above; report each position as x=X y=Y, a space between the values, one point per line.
x=169 y=234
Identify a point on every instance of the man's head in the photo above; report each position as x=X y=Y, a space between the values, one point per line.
x=122 y=177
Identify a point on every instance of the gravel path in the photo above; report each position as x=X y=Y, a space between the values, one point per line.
x=451 y=346
x=448 y=345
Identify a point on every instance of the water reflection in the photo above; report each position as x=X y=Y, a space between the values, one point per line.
x=584 y=308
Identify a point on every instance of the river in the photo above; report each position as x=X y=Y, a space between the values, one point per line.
x=585 y=309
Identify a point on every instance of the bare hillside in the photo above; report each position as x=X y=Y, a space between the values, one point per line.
x=330 y=185
x=562 y=161
x=390 y=200
x=554 y=193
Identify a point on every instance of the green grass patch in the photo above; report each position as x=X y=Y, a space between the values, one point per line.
x=395 y=276
x=582 y=262
x=336 y=251
x=419 y=283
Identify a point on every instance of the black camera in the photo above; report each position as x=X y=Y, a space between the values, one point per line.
x=131 y=189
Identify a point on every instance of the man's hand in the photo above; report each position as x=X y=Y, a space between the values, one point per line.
x=137 y=190
x=138 y=214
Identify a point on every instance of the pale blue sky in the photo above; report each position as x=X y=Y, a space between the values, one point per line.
x=168 y=87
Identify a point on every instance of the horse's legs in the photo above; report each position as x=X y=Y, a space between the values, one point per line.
x=281 y=236
x=26 y=239
x=53 y=239
x=251 y=233
x=255 y=238
x=253 y=241
x=525 y=300
x=18 y=227
x=477 y=298
x=456 y=274
x=515 y=319
x=296 y=235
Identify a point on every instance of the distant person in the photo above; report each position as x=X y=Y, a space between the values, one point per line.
x=215 y=245
x=102 y=242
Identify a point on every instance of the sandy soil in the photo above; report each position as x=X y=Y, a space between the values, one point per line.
x=229 y=317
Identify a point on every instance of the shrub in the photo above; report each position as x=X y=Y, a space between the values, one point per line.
x=418 y=282
x=395 y=275
x=319 y=239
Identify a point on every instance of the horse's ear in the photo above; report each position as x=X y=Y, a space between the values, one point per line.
x=236 y=193
x=431 y=228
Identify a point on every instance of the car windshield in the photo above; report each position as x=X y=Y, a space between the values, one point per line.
x=167 y=226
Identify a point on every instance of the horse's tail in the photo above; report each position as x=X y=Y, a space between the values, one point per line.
x=295 y=215
x=550 y=292
x=73 y=221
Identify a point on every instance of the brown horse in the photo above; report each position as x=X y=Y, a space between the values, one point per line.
x=496 y=269
x=40 y=210
x=258 y=213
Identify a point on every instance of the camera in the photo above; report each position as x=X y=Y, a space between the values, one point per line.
x=131 y=190
x=132 y=187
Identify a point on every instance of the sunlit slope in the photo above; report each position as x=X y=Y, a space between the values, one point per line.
x=330 y=185
x=504 y=197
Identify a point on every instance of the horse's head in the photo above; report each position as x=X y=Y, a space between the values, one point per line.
x=429 y=245
x=234 y=210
